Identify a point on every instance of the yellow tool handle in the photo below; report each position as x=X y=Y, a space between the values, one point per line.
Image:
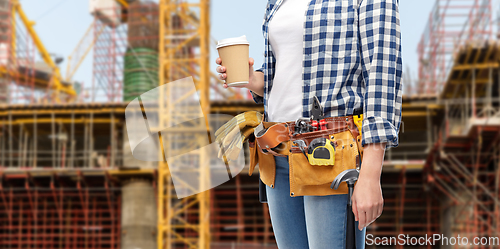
x=358 y=121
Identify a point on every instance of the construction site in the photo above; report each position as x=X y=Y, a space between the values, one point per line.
x=68 y=178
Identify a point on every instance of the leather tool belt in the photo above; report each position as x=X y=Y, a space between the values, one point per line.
x=278 y=139
x=272 y=136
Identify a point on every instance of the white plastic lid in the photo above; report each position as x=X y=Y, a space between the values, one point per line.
x=232 y=41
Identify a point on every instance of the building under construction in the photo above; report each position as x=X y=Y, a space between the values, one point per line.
x=68 y=178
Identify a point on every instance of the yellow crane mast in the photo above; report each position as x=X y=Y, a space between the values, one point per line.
x=184 y=51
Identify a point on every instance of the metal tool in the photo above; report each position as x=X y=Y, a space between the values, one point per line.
x=302 y=146
x=317 y=110
x=316 y=122
x=302 y=126
x=349 y=176
x=317 y=115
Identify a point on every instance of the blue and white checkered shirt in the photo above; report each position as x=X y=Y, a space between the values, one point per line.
x=351 y=59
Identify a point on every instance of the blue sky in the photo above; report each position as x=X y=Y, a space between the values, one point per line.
x=61 y=24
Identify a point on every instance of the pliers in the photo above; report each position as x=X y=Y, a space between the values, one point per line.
x=317 y=115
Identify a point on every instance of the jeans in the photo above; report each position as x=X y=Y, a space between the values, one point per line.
x=301 y=222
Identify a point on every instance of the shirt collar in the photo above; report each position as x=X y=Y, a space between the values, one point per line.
x=275 y=5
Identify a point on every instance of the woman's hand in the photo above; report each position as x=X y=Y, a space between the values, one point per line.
x=367 y=200
x=255 y=83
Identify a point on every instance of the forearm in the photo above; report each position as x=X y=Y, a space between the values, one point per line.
x=257 y=83
x=367 y=199
x=373 y=158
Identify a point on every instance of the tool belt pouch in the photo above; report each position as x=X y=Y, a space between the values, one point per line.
x=360 y=148
x=265 y=161
x=303 y=173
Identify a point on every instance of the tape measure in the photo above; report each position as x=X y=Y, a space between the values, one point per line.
x=321 y=151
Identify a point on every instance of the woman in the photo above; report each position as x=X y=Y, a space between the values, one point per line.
x=348 y=54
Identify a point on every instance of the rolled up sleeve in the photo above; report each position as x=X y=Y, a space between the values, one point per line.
x=380 y=44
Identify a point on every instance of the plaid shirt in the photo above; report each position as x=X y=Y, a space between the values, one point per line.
x=351 y=59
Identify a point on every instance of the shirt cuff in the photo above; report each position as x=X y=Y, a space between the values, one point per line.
x=256 y=98
x=379 y=130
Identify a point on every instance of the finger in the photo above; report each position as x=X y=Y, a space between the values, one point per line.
x=251 y=61
x=225 y=128
x=222 y=76
x=225 y=85
x=218 y=60
x=230 y=136
x=221 y=69
x=355 y=209
x=362 y=219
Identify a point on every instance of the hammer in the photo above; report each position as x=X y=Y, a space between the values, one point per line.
x=349 y=176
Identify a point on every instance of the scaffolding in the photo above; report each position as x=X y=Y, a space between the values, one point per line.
x=28 y=73
x=68 y=136
x=451 y=24
x=459 y=61
x=135 y=26
x=110 y=44
x=464 y=162
x=62 y=167
x=409 y=208
x=59 y=210
x=236 y=214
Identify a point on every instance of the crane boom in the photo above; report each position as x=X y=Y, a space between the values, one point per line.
x=57 y=79
x=81 y=50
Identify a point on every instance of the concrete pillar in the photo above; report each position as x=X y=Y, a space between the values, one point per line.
x=138 y=217
x=128 y=159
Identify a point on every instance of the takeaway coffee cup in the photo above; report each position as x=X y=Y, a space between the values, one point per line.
x=234 y=53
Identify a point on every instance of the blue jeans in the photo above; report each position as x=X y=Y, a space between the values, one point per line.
x=301 y=222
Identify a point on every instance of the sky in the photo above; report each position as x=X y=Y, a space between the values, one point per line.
x=61 y=24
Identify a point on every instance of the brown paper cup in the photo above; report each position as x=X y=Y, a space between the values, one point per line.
x=234 y=53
